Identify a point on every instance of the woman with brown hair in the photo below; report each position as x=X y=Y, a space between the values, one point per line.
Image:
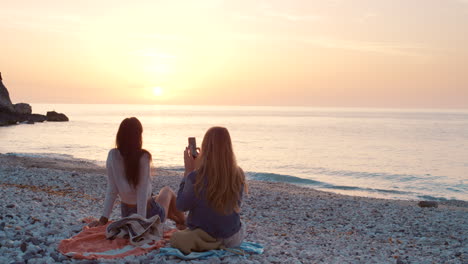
x=212 y=189
x=128 y=176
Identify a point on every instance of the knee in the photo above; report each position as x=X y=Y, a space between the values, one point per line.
x=166 y=189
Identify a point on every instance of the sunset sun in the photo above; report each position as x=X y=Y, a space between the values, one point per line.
x=157 y=91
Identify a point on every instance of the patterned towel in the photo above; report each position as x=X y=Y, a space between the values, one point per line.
x=246 y=247
x=91 y=243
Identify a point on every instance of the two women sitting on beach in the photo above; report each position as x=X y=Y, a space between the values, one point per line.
x=211 y=190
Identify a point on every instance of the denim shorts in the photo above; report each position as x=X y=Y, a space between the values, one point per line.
x=152 y=209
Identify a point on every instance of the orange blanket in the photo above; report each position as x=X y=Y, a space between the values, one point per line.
x=91 y=243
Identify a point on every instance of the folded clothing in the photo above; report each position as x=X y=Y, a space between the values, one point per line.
x=137 y=229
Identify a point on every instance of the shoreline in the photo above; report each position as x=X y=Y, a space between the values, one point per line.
x=295 y=224
x=352 y=191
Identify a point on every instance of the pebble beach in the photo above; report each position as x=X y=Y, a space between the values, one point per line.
x=44 y=200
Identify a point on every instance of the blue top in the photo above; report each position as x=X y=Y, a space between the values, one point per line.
x=201 y=215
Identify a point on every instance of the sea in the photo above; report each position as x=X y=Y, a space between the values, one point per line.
x=409 y=154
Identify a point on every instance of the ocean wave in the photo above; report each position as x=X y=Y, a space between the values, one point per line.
x=56 y=156
x=433 y=198
x=362 y=174
x=43 y=155
x=318 y=184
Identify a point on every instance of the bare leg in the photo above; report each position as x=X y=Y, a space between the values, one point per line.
x=167 y=199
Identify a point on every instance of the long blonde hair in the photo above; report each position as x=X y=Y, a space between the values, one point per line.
x=218 y=173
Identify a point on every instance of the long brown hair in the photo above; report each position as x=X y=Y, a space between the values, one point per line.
x=218 y=173
x=129 y=142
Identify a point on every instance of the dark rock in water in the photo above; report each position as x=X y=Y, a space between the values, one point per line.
x=428 y=204
x=11 y=206
x=56 y=117
x=37 y=118
x=7 y=119
x=22 y=109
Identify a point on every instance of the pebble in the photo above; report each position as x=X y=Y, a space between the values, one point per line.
x=428 y=204
x=54 y=256
x=24 y=246
x=28 y=256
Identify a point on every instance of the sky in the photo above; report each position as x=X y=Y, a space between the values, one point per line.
x=323 y=53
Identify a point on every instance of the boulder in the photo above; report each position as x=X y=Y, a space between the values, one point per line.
x=53 y=116
x=37 y=118
x=22 y=109
x=428 y=204
x=5 y=101
x=7 y=119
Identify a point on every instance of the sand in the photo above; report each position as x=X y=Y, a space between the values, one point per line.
x=45 y=199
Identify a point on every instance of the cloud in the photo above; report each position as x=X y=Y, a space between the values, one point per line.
x=292 y=17
x=266 y=10
x=367 y=16
x=389 y=48
x=158 y=36
x=66 y=23
x=153 y=53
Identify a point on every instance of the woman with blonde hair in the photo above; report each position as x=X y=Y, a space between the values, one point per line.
x=212 y=189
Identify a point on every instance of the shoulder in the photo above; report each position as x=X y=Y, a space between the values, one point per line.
x=241 y=172
x=146 y=156
x=113 y=153
x=192 y=176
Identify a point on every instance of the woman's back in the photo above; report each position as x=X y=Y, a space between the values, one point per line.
x=116 y=172
x=201 y=214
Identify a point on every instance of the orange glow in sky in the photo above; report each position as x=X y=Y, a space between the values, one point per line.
x=337 y=53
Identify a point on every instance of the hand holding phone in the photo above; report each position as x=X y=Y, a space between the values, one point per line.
x=192 y=144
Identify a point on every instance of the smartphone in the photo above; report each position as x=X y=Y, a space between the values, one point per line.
x=192 y=144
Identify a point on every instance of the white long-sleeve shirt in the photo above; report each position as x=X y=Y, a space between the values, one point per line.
x=117 y=184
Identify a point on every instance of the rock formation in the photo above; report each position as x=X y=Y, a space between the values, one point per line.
x=56 y=117
x=11 y=114
x=22 y=108
x=5 y=101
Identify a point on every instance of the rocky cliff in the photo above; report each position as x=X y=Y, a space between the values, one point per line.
x=5 y=101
